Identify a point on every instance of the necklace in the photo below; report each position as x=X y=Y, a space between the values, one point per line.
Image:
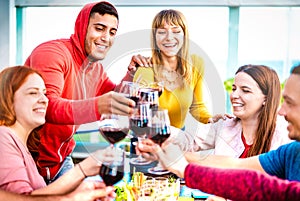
x=172 y=79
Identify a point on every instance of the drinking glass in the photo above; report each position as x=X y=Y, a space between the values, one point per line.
x=112 y=172
x=139 y=126
x=157 y=86
x=148 y=95
x=159 y=131
x=113 y=128
x=130 y=90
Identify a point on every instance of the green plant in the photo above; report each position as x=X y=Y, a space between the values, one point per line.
x=228 y=84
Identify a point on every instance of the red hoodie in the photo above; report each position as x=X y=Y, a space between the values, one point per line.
x=72 y=84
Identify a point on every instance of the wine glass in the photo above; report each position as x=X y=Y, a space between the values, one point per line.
x=139 y=126
x=112 y=172
x=130 y=90
x=157 y=86
x=113 y=128
x=148 y=95
x=159 y=131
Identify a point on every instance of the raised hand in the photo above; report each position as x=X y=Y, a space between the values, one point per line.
x=115 y=103
x=139 y=60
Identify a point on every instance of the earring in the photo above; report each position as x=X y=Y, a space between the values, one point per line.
x=264 y=103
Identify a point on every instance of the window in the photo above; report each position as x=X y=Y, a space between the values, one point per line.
x=264 y=35
x=268 y=36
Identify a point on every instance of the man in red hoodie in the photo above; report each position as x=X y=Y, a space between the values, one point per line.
x=78 y=88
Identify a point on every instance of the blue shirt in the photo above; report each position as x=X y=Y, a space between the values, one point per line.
x=283 y=162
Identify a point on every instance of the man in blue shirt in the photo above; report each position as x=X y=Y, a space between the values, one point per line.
x=285 y=161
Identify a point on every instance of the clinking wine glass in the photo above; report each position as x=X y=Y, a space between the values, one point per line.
x=113 y=128
x=139 y=126
x=157 y=86
x=159 y=132
x=148 y=95
x=130 y=90
x=151 y=93
x=112 y=172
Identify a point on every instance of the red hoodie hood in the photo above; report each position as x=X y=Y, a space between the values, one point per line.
x=80 y=30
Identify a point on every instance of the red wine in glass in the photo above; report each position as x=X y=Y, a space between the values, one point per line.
x=150 y=96
x=135 y=99
x=111 y=174
x=160 y=138
x=113 y=128
x=114 y=135
x=159 y=126
x=131 y=90
x=138 y=126
x=159 y=133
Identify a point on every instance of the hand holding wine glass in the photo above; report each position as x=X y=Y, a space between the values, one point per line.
x=159 y=132
x=159 y=126
x=113 y=171
x=130 y=90
x=139 y=126
x=113 y=128
x=90 y=166
x=139 y=119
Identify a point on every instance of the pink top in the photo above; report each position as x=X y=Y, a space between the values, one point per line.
x=18 y=171
x=241 y=185
x=224 y=137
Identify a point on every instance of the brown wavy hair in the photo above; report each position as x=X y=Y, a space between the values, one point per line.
x=11 y=79
x=268 y=81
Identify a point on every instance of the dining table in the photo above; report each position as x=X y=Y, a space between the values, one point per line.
x=186 y=193
x=83 y=149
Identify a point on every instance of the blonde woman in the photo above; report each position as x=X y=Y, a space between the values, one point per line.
x=181 y=73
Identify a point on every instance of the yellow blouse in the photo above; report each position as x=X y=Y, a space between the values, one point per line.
x=179 y=101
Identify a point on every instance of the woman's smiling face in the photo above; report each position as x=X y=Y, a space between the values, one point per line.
x=246 y=98
x=169 y=39
x=30 y=102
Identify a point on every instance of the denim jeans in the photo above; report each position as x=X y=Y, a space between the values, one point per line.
x=65 y=167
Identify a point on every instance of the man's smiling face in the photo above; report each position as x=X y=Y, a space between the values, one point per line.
x=100 y=35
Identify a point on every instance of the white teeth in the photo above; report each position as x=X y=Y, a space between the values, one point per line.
x=101 y=47
x=237 y=104
x=169 y=45
x=40 y=110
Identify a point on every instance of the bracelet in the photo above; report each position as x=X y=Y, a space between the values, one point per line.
x=85 y=176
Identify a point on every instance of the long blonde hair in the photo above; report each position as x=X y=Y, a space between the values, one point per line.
x=184 y=66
